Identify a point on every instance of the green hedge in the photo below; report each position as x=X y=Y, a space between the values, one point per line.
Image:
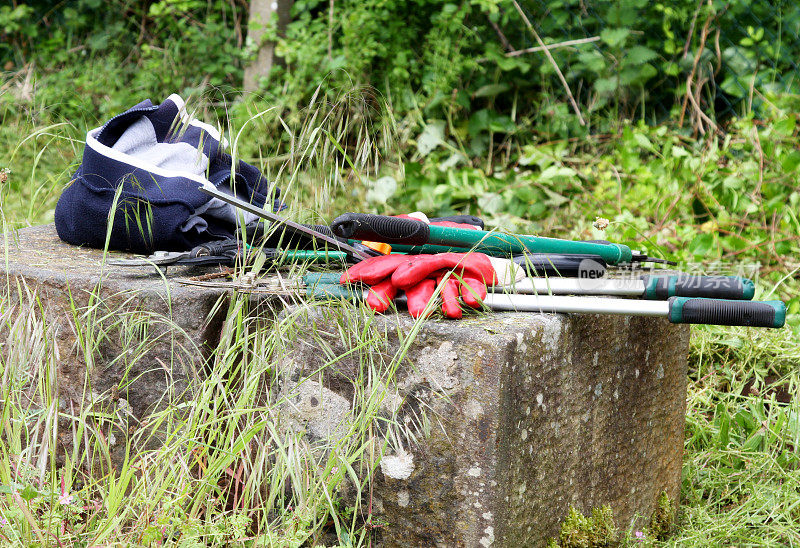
x=447 y=60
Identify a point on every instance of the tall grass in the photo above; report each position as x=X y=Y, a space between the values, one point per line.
x=213 y=460
x=216 y=463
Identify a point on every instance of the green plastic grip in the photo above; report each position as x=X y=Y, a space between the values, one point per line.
x=427 y=249
x=320 y=256
x=512 y=246
x=727 y=312
x=712 y=287
x=324 y=278
x=499 y=244
x=329 y=291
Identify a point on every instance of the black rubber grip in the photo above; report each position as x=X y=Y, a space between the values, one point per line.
x=538 y=265
x=682 y=285
x=461 y=219
x=219 y=248
x=378 y=228
x=221 y=252
x=722 y=312
x=324 y=229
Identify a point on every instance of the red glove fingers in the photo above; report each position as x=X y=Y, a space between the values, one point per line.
x=472 y=292
x=373 y=270
x=381 y=295
x=469 y=273
x=449 y=293
x=471 y=265
x=418 y=297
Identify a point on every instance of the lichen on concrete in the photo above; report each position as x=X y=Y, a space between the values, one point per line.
x=435 y=366
x=324 y=413
x=398 y=466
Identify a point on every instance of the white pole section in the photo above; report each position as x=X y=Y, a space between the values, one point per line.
x=633 y=287
x=581 y=305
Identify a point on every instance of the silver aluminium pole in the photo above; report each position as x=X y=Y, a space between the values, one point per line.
x=632 y=287
x=580 y=305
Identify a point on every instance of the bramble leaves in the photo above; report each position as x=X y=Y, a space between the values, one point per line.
x=614 y=37
x=638 y=55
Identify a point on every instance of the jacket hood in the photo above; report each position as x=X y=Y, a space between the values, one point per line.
x=147 y=165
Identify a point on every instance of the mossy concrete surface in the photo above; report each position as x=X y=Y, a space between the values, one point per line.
x=510 y=419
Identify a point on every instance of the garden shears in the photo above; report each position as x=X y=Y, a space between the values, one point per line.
x=226 y=253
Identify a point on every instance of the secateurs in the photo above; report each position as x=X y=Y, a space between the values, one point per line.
x=225 y=253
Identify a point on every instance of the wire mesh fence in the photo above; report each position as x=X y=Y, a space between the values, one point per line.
x=702 y=60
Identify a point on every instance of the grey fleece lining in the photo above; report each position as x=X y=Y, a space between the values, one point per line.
x=140 y=141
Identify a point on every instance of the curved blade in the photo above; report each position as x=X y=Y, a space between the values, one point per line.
x=296 y=227
x=159 y=258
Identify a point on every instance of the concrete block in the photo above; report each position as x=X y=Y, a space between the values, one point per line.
x=489 y=427
x=512 y=419
x=73 y=289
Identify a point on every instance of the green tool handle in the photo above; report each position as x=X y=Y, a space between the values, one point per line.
x=724 y=287
x=396 y=230
x=683 y=285
x=316 y=255
x=322 y=278
x=681 y=309
x=427 y=249
x=723 y=312
x=324 y=291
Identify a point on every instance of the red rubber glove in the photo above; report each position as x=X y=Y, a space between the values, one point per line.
x=373 y=270
x=381 y=295
x=377 y=273
x=418 y=276
x=419 y=296
x=470 y=274
x=476 y=266
x=449 y=293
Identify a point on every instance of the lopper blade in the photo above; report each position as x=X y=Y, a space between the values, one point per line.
x=296 y=227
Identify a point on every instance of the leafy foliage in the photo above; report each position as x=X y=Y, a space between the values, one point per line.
x=453 y=60
x=431 y=59
x=106 y=52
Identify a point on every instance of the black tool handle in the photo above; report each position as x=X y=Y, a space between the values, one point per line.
x=220 y=248
x=323 y=229
x=724 y=312
x=662 y=287
x=221 y=252
x=379 y=228
x=538 y=265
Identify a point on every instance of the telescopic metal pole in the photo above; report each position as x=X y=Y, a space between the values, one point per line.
x=676 y=309
x=652 y=287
